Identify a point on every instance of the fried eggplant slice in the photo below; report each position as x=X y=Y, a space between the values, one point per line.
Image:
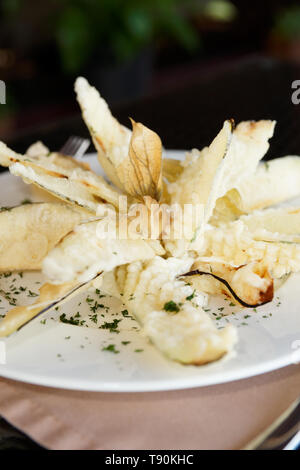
x=273 y=182
x=171 y=315
x=131 y=160
x=250 y=285
x=215 y=170
x=62 y=177
x=110 y=138
x=234 y=244
x=39 y=150
x=87 y=251
x=30 y=231
x=226 y=209
x=50 y=296
x=281 y=225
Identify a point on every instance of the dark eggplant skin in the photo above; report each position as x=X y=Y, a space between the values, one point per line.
x=266 y=299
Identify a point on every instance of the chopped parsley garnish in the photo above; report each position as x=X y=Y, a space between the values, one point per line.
x=98 y=292
x=111 y=326
x=190 y=297
x=171 y=306
x=72 y=320
x=126 y=342
x=7 y=296
x=111 y=348
x=32 y=294
x=126 y=314
x=94 y=318
x=95 y=307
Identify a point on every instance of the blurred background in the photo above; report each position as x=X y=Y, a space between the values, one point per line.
x=166 y=62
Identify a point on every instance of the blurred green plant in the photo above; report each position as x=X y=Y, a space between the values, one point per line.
x=122 y=28
x=287 y=22
x=220 y=10
x=118 y=30
x=11 y=7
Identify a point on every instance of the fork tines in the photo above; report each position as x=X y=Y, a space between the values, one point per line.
x=75 y=147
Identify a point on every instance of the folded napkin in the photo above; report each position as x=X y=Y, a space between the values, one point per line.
x=217 y=417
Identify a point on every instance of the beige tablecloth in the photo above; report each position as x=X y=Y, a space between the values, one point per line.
x=217 y=417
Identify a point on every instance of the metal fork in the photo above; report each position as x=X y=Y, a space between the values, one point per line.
x=75 y=147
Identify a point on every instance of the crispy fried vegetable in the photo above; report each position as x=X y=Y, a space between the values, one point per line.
x=61 y=176
x=8 y=156
x=250 y=285
x=132 y=161
x=171 y=317
x=30 y=231
x=226 y=209
x=281 y=225
x=110 y=138
x=73 y=186
x=234 y=244
x=50 y=296
x=219 y=168
x=274 y=182
x=88 y=250
x=39 y=150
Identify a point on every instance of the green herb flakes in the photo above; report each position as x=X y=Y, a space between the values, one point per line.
x=171 y=306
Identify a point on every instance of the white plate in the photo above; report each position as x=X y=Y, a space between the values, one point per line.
x=62 y=355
